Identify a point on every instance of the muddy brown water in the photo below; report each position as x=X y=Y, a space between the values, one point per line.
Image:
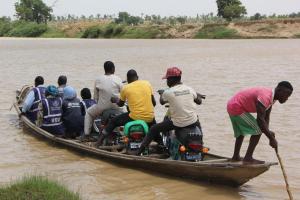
x=217 y=68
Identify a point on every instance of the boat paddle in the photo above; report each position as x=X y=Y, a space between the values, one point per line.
x=285 y=176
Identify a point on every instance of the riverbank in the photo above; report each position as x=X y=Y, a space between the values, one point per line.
x=268 y=28
x=36 y=188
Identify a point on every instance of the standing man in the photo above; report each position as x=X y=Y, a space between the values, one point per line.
x=34 y=97
x=141 y=102
x=255 y=100
x=106 y=86
x=182 y=107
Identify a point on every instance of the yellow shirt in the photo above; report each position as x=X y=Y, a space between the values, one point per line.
x=138 y=96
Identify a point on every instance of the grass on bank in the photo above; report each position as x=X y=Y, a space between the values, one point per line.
x=216 y=31
x=36 y=188
x=297 y=35
x=53 y=33
x=113 y=30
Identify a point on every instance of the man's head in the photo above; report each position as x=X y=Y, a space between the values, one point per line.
x=132 y=76
x=173 y=76
x=85 y=93
x=62 y=80
x=283 y=91
x=51 y=90
x=39 y=80
x=109 y=67
x=69 y=93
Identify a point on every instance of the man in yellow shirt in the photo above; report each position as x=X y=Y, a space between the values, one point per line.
x=141 y=102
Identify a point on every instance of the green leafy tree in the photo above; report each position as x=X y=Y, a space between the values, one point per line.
x=33 y=10
x=126 y=18
x=230 y=9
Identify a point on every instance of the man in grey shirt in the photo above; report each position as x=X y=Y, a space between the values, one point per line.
x=106 y=86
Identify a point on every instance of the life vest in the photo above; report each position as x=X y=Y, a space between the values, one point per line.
x=52 y=119
x=72 y=117
x=39 y=94
x=87 y=103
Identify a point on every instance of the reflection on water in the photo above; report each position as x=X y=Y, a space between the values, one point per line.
x=217 y=68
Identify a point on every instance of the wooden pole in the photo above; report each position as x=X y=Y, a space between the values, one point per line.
x=285 y=177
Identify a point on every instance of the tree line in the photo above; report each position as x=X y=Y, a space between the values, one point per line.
x=37 y=11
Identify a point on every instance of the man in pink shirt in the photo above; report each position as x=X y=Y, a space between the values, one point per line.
x=255 y=100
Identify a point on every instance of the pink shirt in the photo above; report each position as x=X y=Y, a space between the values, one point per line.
x=245 y=100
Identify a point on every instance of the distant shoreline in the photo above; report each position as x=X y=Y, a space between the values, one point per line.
x=257 y=29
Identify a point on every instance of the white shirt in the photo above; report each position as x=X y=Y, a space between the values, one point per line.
x=107 y=86
x=182 y=106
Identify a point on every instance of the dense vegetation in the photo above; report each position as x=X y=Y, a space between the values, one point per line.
x=36 y=188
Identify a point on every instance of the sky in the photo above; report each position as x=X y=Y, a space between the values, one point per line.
x=157 y=7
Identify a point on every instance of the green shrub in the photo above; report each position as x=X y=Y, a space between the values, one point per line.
x=297 y=35
x=108 y=31
x=92 y=32
x=118 y=30
x=27 y=29
x=36 y=188
x=217 y=32
x=5 y=26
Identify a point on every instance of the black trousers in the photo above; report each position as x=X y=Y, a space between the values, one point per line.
x=164 y=126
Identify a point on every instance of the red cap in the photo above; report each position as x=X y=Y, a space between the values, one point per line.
x=172 y=72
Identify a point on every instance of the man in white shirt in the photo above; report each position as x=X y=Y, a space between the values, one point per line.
x=182 y=102
x=106 y=86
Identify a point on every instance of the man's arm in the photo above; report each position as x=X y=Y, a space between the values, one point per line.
x=153 y=100
x=264 y=124
x=117 y=101
x=40 y=115
x=96 y=92
x=28 y=102
x=268 y=112
x=199 y=98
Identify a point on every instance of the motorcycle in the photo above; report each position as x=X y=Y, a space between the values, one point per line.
x=127 y=139
x=185 y=143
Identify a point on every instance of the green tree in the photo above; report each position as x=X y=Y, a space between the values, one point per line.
x=230 y=9
x=33 y=10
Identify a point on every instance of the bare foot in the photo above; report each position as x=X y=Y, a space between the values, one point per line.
x=236 y=159
x=252 y=161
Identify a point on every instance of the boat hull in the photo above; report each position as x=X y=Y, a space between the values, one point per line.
x=216 y=169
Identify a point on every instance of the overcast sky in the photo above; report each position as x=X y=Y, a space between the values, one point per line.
x=161 y=7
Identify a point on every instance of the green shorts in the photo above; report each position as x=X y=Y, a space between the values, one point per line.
x=244 y=124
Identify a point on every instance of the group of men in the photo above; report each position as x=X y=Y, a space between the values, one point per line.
x=57 y=109
x=111 y=94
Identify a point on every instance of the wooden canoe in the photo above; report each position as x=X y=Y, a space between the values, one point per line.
x=214 y=169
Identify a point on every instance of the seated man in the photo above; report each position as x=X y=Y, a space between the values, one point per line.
x=34 y=97
x=62 y=83
x=50 y=112
x=72 y=117
x=106 y=86
x=86 y=102
x=141 y=102
x=182 y=107
x=255 y=100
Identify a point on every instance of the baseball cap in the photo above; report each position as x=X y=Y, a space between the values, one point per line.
x=172 y=72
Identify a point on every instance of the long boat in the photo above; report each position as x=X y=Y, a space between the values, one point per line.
x=214 y=168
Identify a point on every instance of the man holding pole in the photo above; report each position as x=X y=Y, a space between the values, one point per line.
x=255 y=100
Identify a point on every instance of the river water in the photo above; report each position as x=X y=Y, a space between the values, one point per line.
x=217 y=68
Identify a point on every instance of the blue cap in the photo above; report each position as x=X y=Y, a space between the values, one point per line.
x=69 y=92
x=52 y=90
